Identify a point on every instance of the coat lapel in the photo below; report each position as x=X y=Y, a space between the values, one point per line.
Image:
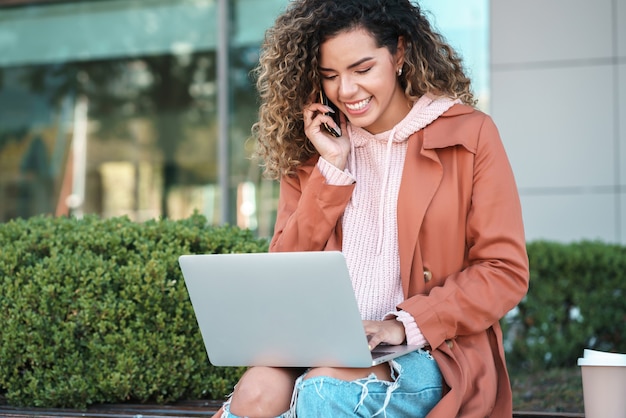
x=421 y=177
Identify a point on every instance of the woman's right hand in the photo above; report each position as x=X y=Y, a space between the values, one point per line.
x=335 y=150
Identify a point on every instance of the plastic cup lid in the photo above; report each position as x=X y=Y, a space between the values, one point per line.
x=601 y=358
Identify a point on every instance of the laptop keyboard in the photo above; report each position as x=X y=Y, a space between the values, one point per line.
x=377 y=354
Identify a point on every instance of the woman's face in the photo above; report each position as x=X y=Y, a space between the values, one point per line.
x=362 y=80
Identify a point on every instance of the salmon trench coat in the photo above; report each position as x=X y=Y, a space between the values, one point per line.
x=463 y=260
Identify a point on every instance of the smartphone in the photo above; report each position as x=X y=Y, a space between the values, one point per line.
x=333 y=131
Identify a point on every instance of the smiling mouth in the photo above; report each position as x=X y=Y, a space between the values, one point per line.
x=358 y=105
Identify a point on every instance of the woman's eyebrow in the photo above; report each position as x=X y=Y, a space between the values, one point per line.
x=356 y=64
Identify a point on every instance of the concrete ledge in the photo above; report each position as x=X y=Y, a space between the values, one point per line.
x=183 y=410
x=529 y=414
x=189 y=409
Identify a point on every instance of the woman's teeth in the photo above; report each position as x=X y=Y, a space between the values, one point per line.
x=359 y=105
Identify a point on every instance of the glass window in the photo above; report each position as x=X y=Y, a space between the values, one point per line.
x=465 y=25
x=111 y=107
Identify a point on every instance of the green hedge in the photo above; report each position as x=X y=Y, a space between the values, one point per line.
x=576 y=300
x=96 y=311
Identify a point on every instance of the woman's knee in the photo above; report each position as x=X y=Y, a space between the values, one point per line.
x=263 y=391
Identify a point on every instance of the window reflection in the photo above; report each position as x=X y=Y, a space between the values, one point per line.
x=136 y=82
x=147 y=94
x=150 y=136
x=465 y=24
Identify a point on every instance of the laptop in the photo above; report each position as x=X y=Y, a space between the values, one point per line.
x=292 y=309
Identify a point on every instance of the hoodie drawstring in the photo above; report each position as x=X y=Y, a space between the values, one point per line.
x=383 y=191
x=352 y=158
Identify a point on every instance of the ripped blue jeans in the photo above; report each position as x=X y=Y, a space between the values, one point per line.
x=415 y=388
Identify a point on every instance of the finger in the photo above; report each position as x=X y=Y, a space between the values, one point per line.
x=373 y=342
x=312 y=112
x=308 y=114
x=315 y=108
x=331 y=124
x=313 y=126
x=372 y=329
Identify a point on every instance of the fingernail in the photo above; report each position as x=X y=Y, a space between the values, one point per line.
x=330 y=109
x=370 y=347
x=338 y=131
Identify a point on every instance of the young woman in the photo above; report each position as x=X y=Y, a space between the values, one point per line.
x=414 y=188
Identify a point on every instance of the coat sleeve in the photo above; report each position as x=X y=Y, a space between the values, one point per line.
x=494 y=276
x=308 y=212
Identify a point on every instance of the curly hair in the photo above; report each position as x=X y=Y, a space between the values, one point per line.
x=287 y=76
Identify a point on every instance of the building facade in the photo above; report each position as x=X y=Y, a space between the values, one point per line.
x=143 y=108
x=558 y=95
x=140 y=108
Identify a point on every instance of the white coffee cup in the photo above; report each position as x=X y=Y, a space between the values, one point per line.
x=604 y=384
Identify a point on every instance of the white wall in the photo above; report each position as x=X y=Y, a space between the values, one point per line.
x=558 y=96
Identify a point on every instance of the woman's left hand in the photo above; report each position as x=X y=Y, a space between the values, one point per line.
x=389 y=331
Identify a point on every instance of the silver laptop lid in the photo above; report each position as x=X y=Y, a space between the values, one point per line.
x=292 y=309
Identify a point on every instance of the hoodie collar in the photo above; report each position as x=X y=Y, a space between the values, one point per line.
x=424 y=111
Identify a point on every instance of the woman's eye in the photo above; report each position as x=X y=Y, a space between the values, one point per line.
x=364 y=70
x=328 y=77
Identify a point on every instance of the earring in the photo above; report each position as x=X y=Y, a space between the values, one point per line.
x=399 y=71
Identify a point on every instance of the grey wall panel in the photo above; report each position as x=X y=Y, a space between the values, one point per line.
x=571 y=217
x=557 y=133
x=550 y=30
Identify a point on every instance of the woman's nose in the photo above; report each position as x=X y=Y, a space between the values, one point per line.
x=347 y=87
